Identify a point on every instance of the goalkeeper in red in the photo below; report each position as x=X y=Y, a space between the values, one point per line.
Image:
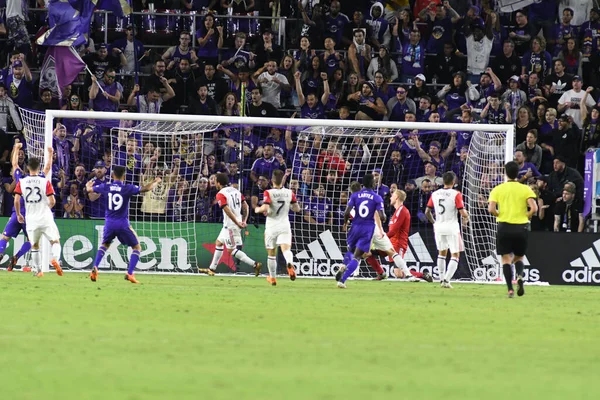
x=447 y=203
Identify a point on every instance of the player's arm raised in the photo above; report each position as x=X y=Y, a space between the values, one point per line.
x=151 y=185
x=48 y=165
x=14 y=158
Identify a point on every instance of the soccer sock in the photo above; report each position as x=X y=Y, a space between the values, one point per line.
x=400 y=263
x=347 y=257
x=289 y=256
x=272 y=266
x=281 y=261
x=3 y=243
x=240 y=255
x=350 y=268
x=56 y=251
x=35 y=260
x=519 y=266
x=452 y=266
x=24 y=249
x=416 y=274
x=135 y=257
x=507 y=270
x=216 y=258
x=100 y=255
x=373 y=262
x=441 y=261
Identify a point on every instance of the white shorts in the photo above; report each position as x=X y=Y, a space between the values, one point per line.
x=381 y=243
x=231 y=237
x=48 y=229
x=452 y=242
x=277 y=238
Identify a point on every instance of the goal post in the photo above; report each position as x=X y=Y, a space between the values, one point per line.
x=318 y=248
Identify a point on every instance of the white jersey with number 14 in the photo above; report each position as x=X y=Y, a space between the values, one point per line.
x=231 y=197
x=446 y=203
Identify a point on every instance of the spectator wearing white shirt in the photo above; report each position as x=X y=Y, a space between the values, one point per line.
x=570 y=101
x=272 y=83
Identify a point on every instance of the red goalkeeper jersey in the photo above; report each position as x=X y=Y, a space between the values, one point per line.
x=399 y=228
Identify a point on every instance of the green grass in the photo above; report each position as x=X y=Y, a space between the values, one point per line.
x=177 y=337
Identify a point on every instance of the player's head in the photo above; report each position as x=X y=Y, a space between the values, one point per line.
x=222 y=180
x=277 y=177
x=512 y=170
x=355 y=187
x=449 y=178
x=398 y=197
x=118 y=172
x=368 y=181
x=33 y=165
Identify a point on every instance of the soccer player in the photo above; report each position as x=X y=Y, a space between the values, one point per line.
x=118 y=195
x=14 y=227
x=513 y=204
x=365 y=224
x=234 y=206
x=38 y=196
x=278 y=232
x=447 y=202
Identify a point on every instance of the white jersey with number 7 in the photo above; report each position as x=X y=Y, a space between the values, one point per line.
x=446 y=203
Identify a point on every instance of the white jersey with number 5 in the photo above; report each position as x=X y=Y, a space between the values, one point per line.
x=279 y=201
x=446 y=203
x=231 y=197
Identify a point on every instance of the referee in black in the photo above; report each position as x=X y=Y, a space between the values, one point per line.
x=513 y=204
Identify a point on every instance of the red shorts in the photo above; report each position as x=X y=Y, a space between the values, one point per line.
x=399 y=248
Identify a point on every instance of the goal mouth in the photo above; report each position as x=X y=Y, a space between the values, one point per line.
x=330 y=153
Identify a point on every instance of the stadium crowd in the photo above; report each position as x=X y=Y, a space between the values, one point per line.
x=452 y=61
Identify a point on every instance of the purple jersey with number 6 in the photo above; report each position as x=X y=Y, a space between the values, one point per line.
x=117 y=224
x=365 y=203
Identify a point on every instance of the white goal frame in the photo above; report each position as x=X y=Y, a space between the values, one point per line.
x=51 y=115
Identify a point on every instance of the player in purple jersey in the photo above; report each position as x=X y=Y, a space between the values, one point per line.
x=117 y=223
x=366 y=221
x=14 y=227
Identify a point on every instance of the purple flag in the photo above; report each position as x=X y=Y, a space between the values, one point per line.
x=588 y=182
x=61 y=67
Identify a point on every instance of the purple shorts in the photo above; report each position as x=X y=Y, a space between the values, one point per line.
x=14 y=227
x=126 y=235
x=360 y=237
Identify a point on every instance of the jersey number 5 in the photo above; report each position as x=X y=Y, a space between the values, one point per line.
x=115 y=201
x=442 y=206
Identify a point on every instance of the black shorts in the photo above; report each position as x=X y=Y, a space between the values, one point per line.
x=512 y=238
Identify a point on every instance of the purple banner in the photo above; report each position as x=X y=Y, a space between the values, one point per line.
x=588 y=179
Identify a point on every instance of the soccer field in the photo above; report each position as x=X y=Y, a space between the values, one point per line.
x=177 y=337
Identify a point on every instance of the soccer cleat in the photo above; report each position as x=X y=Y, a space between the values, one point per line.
x=94 y=274
x=413 y=279
x=291 y=272
x=12 y=263
x=511 y=294
x=206 y=271
x=427 y=276
x=380 y=277
x=131 y=278
x=341 y=285
x=257 y=268
x=340 y=273
x=57 y=267
x=521 y=289
x=272 y=281
x=26 y=269
x=39 y=274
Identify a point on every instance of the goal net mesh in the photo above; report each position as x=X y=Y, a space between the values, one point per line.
x=179 y=221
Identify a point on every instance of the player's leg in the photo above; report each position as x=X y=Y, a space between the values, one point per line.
x=455 y=245
x=35 y=235
x=442 y=247
x=50 y=231
x=235 y=240
x=519 y=253
x=360 y=241
x=25 y=247
x=106 y=241
x=223 y=236
x=284 y=241
x=504 y=246
x=128 y=237
x=3 y=243
x=271 y=247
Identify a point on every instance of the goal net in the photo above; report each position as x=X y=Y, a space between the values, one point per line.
x=179 y=221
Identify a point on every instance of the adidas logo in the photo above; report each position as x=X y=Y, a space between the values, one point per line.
x=588 y=261
x=492 y=266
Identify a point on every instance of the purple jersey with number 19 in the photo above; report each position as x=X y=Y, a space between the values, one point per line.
x=117 y=224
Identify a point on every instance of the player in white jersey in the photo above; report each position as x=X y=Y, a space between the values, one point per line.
x=235 y=215
x=447 y=203
x=278 y=232
x=39 y=200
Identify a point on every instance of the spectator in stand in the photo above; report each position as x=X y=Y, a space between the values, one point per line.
x=204 y=211
x=524 y=123
x=333 y=186
x=18 y=37
x=382 y=89
x=335 y=22
x=311 y=77
x=306 y=182
x=310 y=106
x=420 y=89
x=398 y=106
x=101 y=61
x=180 y=203
x=537 y=60
x=457 y=93
x=514 y=96
x=359 y=54
x=521 y=33
x=542 y=16
x=557 y=83
x=73 y=103
x=435 y=155
x=287 y=68
x=562 y=32
x=303 y=56
x=318 y=209
x=127 y=156
x=568 y=211
x=370 y=107
x=526 y=169
x=494 y=113
x=431 y=175
x=458 y=163
x=256 y=197
x=73 y=205
x=570 y=101
x=380 y=26
x=402 y=27
x=97 y=201
x=499 y=32
x=202 y=104
x=572 y=57
x=545 y=199
x=63 y=148
x=152 y=101
x=590 y=134
x=183 y=51
x=393 y=169
x=216 y=86
x=357 y=23
x=424 y=109
x=508 y=63
x=266 y=165
x=384 y=64
x=272 y=83
x=88 y=144
x=331 y=58
x=489 y=84
x=130 y=48
x=413 y=57
x=440 y=25
x=183 y=82
x=332 y=158
x=260 y=108
x=445 y=65
x=106 y=93
x=45 y=102
x=267 y=50
x=531 y=150
x=313 y=26
x=79 y=179
x=581 y=10
x=19 y=84
x=210 y=40
x=238 y=56
x=566 y=141
x=8 y=112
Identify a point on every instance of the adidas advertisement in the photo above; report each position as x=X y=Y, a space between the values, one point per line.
x=565 y=258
